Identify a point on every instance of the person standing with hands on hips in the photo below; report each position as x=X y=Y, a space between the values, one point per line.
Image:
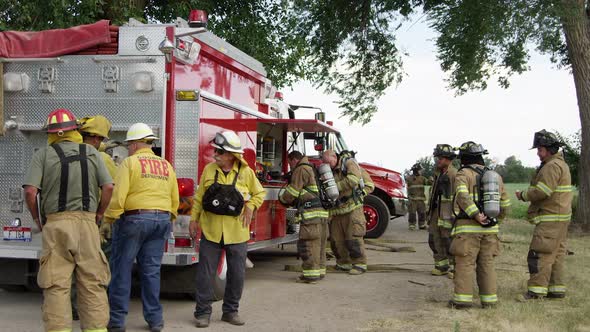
x=225 y=201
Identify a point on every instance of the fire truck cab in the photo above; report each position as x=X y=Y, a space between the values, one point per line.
x=187 y=84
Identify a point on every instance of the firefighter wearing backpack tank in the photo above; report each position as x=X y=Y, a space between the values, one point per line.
x=303 y=192
x=441 y=210
x=475 y=236
x=550 y=194
x=347 y=220
x=416 y=184
x=75 y=191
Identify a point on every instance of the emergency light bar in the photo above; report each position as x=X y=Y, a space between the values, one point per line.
x=197 y=19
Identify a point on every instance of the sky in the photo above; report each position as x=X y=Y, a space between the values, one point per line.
x=421 y=112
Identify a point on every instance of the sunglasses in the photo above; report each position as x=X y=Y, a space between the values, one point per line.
x=220 y=151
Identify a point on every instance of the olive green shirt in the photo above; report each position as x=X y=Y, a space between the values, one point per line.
x=45 y=174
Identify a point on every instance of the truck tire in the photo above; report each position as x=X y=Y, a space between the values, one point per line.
x=377 y=216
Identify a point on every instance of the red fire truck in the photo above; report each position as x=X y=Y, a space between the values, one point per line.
x=187 y=84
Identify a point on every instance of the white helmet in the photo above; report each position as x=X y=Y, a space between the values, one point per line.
x=139 y=131
x=228 y=141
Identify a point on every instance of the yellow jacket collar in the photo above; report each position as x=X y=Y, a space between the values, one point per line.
x=144 y=151
x=69 y=136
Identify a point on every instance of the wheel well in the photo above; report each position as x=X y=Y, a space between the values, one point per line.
x=386 y=199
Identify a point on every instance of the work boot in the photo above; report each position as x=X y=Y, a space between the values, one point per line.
x=322 y=276
x=340 y=268
x=202 y=320
x=355 y=271
x=555 y=295
x=412 y=227
x=232 y=318
x=423 y=227
x=304 y=280
x=529 y=296
x=437 y=272
x=459 y=305
x=116 y=329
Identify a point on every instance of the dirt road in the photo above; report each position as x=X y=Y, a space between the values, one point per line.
x=272 y=301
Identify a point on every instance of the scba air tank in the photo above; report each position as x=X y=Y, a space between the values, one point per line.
x=490 y=183
x=327 y=182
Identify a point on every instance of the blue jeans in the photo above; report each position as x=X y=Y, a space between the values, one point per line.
x=138 y=237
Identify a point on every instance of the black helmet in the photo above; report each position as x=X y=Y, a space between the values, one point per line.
x=416 y=167
x=546 y=139
x=444 y=150
x=471 y=148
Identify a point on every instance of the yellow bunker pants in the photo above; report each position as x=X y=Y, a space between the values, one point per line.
x=546 y=258
x=312 y=249
x=71 y=245
x=474 y=254
x=346 y=239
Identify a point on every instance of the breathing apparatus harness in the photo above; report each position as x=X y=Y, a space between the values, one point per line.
x=479 y=200
x=442 y=187
x=321 y=197
x=358 y=192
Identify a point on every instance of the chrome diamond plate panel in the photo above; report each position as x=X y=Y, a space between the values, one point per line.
x=187 y=139
x=133 y=40
x=79 y=86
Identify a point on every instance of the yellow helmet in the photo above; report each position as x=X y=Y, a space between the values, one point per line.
x=96 y=125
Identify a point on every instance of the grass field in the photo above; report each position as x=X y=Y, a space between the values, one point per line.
x=518 y=208
x=569 y=314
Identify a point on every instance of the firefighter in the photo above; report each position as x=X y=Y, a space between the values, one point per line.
x=144 y=202
x=475 y=235
x=75 y=189
x=347 y=220
x=94 y=131
x=550 y=195
x=303 y=193
x=228 y=194
x=416 y=183
x=440 y=209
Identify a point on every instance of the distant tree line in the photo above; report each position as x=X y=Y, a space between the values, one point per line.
x=512 y=171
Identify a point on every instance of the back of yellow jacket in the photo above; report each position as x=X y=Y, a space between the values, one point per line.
x=466 y=196
x=550 y=192
x=144 y=181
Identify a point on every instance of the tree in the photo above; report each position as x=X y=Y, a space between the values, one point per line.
x=427 y=167
x=512 y=171
x=571 y=151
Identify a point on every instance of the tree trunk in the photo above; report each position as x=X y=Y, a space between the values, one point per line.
x=576 y=27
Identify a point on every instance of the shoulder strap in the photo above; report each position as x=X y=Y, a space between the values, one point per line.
x=84 y=171
x=63 y=185
x=64 y=176
x=238 y=173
